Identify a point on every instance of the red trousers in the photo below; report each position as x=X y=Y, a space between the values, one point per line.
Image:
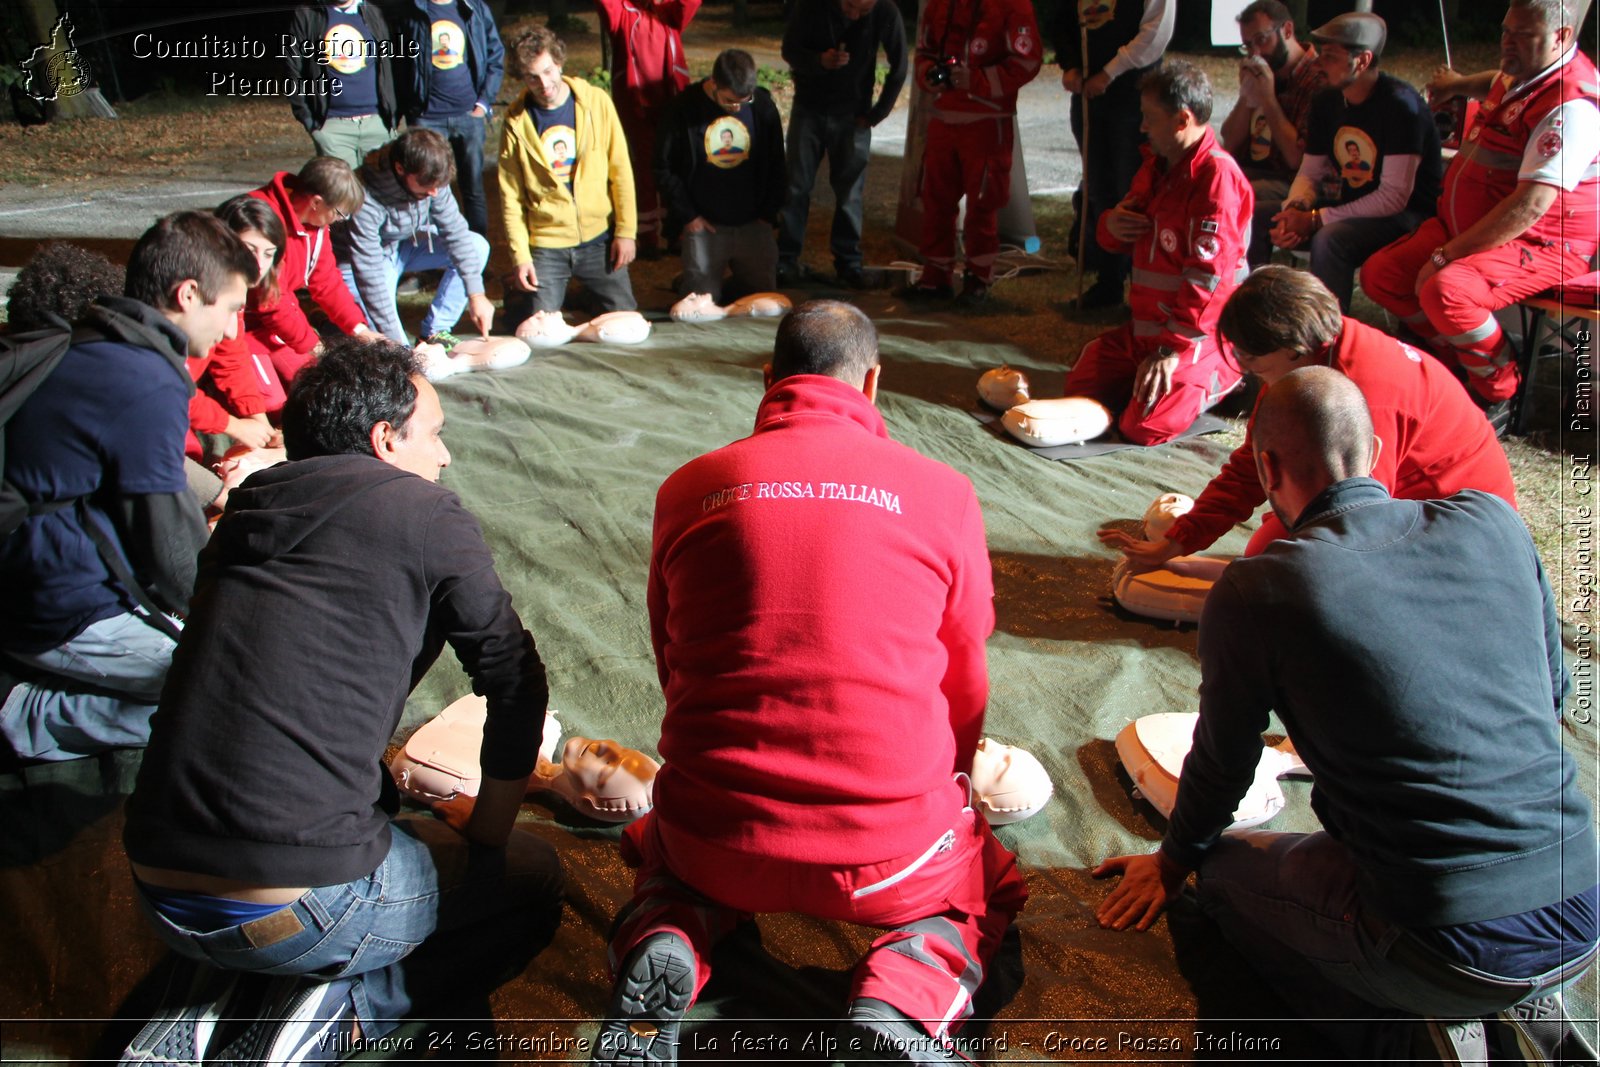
x=1106 y=369
x=1454 y=310
x=639 y=127
x=275 y=365
x=944 y=910
x=971 y=159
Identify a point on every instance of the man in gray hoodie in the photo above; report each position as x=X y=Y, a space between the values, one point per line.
x=410 y=222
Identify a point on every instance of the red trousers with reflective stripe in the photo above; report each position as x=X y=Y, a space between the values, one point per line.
x=1106 y=369
x=945 y=909
x=971 y=159
x=1454 y=309
x=639 y=127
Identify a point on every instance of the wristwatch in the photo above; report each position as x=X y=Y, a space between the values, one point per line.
x=1440 y=260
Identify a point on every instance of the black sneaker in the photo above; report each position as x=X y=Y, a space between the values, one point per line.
x=180 y=1034
x=1538 y=1031
x=929 y=293
x=973 y=292
x=647 y=1004
x=792 y=274
x=876 y=1033
x=852 y=277
x=301 y=1021
x=1104 y=293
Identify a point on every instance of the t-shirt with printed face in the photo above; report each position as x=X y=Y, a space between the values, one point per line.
x=450 y=90
x=557 y=128
x=722 y=186
x=352 y=64
x=1357 y=138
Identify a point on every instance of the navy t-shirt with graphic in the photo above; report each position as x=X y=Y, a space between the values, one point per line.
x=723 y=184
x=450 y=79
x=352 y=64
x=1392 y=121
x=557 y=128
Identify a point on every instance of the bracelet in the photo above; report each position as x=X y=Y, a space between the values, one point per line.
x=1316 y=219
x=1439 y=259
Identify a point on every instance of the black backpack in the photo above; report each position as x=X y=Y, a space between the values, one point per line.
x=26 y=360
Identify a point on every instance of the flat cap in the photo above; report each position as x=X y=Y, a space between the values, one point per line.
x=1357 y=31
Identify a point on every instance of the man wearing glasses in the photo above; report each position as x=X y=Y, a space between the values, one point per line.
x=719 y=167
x=1278 y=77
x=572 y=222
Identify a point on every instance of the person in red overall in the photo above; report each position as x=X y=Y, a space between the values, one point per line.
x=1433 y=442
x=974 y=56
x=324 y=192
x=1520 y=209
x=648 y=69
x=1186 y=221
x=818 y=734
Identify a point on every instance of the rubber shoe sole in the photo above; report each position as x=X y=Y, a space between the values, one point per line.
x=874 y=1032
x=648 y=1003
x=197 y=997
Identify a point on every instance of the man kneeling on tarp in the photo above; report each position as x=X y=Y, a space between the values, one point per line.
x=261 y=829
x=1454 y=876
x=785 y=669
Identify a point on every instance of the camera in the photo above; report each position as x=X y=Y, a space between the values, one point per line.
x=939 y=73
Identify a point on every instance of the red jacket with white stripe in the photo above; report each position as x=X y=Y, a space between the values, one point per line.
x=819 y=600
x=648 y=67
x=1193 y=256
x=307 y=264
x=998 y=40
x=1435 y=440
x=233 y=373
x=1496 y=155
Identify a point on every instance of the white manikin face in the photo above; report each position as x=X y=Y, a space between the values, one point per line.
x=1008 y=780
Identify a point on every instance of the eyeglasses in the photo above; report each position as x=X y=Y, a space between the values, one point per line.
x=1262 y=41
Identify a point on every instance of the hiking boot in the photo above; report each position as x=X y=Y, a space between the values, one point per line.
x=851 y=276
x=929 y=294
x=874 y=1033
x=1538 y=1031
x=648 y=1002
x=443 y=338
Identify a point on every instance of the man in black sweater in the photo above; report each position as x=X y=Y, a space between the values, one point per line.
x=261 y=829
x=832 y=47
x=1455 y=873
x=719 y=169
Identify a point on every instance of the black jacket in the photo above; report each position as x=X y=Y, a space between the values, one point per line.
x=680 y=163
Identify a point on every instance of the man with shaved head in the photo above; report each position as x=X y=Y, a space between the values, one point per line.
x=1454 y=874
x=819 y=600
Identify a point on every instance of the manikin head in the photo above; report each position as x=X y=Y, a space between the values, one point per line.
x=1175 y=105
x=1534 y=34
x=827 y=337
x=367 y=399
x=1267 y=31
x=1009 y=783
x=610 y=779
x=1280 y=319
x=195 y=271
x=1312 y=429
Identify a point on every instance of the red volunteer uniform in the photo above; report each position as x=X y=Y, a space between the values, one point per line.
x=819 y=600
x=970 y=136
x=233 y=376
x=1184 y=268
x=1545 y=130
x=648 y=68
x=307 y=264
x=1435 y=442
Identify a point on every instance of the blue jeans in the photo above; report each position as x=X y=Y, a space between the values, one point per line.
x=94 y=692
x=747 y=251
x=848 y=148
x=1339 y=248
x=465 y=134
x=408 y=257
x=439 y=918
x=1288 y=903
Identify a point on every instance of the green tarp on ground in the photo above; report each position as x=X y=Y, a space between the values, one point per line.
x=560 y=460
